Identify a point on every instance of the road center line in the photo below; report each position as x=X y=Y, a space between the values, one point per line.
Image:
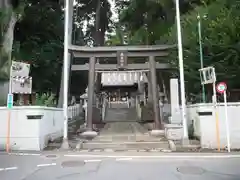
x=92 y=160
x=11 y=168
x=124 y=159
x=8 y=168
x=44 y=165
x=24 y=154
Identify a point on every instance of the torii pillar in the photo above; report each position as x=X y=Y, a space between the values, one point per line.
x=91 y=86
x=158 y=126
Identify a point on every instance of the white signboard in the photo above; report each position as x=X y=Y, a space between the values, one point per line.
x=207 y=75
x=21 y=85
x=115 y=78
x=20 y=69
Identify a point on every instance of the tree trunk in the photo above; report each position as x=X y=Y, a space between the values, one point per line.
x=7 y=36
x=97 y=41
x=97 y=23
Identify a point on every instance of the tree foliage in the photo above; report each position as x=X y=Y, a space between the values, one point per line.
x=148 y=20
x=39 y=36
x=39 y=41
x=220 y=31
x=155 y=24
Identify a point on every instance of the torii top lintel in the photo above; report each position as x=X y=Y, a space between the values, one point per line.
x=111 y=51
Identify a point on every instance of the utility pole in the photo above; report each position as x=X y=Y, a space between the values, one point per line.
x=181 y=71
x=201 y=53
x=65 y=144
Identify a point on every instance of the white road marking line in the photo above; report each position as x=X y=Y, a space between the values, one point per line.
x=8 y=168
x=124 y=159
x=224 y=156
x=92 y=160
x=11 y=168
x=44 y=165
x=24 y=154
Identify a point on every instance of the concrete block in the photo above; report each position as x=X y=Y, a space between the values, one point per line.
x=89 y=134
x=173 y=132
x=157 y=132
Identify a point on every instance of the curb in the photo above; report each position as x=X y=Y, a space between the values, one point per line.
x=123 y=150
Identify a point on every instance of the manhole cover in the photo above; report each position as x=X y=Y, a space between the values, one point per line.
x=51 y=156
x=72 y=163
x=190 y=170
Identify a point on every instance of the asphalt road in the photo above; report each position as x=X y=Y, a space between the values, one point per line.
x=75 y=166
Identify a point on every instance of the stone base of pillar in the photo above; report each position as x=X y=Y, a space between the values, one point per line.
x=157 y=132
x=185 y=142
x=65 y=145
x=89 y=134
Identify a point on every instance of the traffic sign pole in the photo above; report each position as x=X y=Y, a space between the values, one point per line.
x=222 y=89
x=226 y=121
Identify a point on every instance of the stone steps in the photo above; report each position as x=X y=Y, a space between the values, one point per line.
x=120 y=115
x=126 y=138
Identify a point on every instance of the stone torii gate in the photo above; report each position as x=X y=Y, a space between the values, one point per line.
x=147 y=52
x=92 y=53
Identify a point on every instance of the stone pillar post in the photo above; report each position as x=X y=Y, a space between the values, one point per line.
x=91 y=82
x=174 y=97
x=155 y=95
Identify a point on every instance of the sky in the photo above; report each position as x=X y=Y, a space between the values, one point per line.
x=114 y=11
x=114 y=17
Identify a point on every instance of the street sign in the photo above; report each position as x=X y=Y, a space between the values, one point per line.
x=10 y=101
x=207 y=75
x=221 y=87
x=20 y=69
x=21 y=85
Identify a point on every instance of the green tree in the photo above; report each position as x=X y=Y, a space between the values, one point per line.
x=39 y=36
x=220 y=43
x=148 y=20
x=10 y=13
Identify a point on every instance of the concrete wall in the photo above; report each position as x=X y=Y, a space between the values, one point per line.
x=31 y=127
x=205 y=124
x=24 y=134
